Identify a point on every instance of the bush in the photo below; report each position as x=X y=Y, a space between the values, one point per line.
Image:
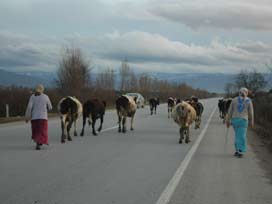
x=263 y=113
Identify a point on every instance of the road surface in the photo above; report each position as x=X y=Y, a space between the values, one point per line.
x=146 y=166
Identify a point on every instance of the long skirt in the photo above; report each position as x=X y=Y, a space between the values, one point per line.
x=40 y=131
x=240 y=128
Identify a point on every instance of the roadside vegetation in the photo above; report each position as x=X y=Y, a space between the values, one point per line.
x=74 y=78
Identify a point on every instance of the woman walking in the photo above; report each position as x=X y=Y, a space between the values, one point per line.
x=36 y=111
x=241 y=114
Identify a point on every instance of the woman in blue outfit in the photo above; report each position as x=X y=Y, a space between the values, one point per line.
x=240 y=115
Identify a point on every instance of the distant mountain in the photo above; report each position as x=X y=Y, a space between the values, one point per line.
x=210 y=82
x=23 y=79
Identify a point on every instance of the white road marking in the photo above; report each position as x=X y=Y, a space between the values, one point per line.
x=108 y=129
x=172 y=185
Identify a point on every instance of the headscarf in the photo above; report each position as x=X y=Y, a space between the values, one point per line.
x=243 y=92
x=39 y=89
x=242 y=99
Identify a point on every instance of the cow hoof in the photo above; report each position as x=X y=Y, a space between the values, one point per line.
x=99 y=130
x=95 y=134
x=180 y=141
x=131 y=129
x=62 y=141
x=124 y=131
x=69 y=139
x=119 y=130
x=81 y=134
x=187 y=141
x=75 y=134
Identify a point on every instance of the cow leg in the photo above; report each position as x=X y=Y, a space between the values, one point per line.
x=197 y=123
x=101 y=123
x=75 y=127
x=124 y=124
x=63 y=129
x=119 y=123
x=224 y=119
x=181 y=134
x=83 y=127
x=131 y=124
x=155 y=110
x=68 y=130
x=168 y=112
x=151 y=110
x=187 y=139
x=93 y=126
x=90 y=120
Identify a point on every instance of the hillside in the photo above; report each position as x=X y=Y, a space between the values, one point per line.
x=210 y=82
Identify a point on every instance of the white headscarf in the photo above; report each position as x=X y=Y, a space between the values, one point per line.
x=243 y=92
x=39 y=88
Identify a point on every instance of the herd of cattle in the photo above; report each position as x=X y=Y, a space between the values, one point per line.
x=184 y=113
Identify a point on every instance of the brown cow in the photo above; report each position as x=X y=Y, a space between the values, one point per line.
x=184 y=115
x=93 y=109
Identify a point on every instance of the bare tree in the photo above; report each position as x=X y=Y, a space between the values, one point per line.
x=133 y=82
x=145 y=84
x=254 y=80
x=106 y=80
x=124 y=76
x=269 y=67
x=73 y=74
x=230 y=89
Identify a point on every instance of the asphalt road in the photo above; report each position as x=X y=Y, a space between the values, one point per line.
x=131 y=168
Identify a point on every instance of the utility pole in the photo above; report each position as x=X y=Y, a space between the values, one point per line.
x=7 y=110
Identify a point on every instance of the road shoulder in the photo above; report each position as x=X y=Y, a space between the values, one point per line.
x=262 y=152
x=216 y=176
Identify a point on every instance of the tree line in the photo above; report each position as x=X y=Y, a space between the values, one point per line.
x=74 y=79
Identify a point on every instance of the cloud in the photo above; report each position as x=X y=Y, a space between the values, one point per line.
x=22 y=52
x=144 y=51
x=239 y=14
x=157 y=52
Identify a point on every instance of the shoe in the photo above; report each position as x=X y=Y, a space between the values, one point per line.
x=236 y=154
x=38 y=147
x=240 y=155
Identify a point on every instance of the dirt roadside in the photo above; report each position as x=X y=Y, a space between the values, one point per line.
x=263 y=150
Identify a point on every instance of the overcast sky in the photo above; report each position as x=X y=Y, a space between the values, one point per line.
x=223 y=36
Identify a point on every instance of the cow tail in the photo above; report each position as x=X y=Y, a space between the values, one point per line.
x=104 y=102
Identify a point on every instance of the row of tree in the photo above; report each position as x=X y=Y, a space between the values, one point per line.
x=253 y=80
x=74 y=78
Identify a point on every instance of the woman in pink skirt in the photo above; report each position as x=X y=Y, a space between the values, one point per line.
x=36 y=111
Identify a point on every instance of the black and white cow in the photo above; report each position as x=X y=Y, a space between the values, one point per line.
x=93 y=109
x=70 y=109
x=199 y=108
x=153 y=103
x=223 y=105
x=126 y=107
x=220 y=107
x=171 y=102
